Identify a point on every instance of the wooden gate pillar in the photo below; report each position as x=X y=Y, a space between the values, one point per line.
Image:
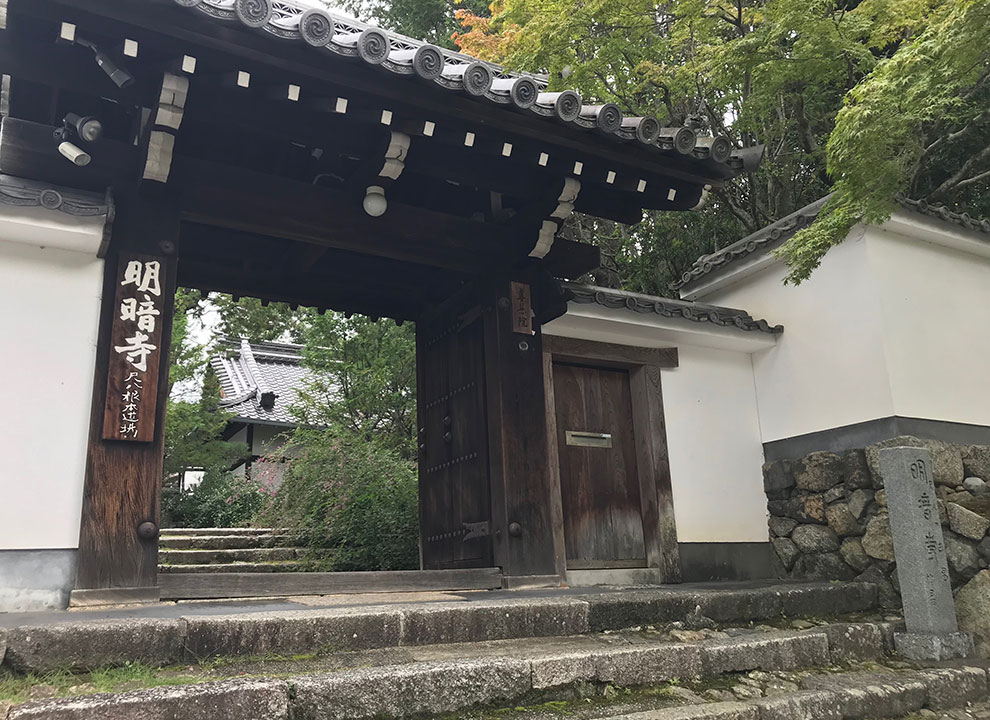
x=118 y=540
x=522 y=527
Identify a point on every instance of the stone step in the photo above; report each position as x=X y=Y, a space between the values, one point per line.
x=492 y=683
x=846 y=696
x=79 y=643
x=221 y=542
x=254 y=555
x=216 y=531
x=235 y=567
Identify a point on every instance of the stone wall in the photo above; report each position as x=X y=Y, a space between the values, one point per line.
x=828 y=515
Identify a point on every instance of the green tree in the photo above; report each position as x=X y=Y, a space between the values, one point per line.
x=364 y=379
x=919 y=124
x=351 y=499
x=258 y=321
x=431 y=20
x=772 y=72
x=193 y=427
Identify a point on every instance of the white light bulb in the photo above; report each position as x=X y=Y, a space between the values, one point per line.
x=375 y=203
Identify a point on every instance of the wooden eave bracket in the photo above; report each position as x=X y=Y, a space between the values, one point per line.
x=166 y=122
x=550 y=226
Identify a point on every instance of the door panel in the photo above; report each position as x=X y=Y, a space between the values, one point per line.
x=454 y=488
x=600 y=487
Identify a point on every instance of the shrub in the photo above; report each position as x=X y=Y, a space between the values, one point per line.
x=353 y=501
x=222 y=499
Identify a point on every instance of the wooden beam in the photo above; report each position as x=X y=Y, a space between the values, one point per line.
x=27 y=150
x=553 y=466
x=517 y=429
x=303 y=289
x=241 y=199
x=650 y=432
x=609 y=354
x=71 y=69
x=570 y=259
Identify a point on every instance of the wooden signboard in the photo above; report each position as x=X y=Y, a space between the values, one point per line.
x=135 y=350
x=522 y=309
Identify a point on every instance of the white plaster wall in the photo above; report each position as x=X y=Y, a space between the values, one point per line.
x=937 y=342
x=716 y=456
x=48 y=327
x=830 y=366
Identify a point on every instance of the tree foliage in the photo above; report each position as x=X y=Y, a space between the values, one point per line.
x=352 y=500
x=193 y=427
x=771 y=72
x=431 y=20
x=919 y=124
x=364 y=379
x=250 y=318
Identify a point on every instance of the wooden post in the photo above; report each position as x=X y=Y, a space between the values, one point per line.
x=522 y=525
x=118 y=540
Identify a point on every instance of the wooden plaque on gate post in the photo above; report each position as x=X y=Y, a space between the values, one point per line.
x=135 y=349
x=522 y=309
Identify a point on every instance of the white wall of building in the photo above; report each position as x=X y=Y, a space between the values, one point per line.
x=51 y=303
x=830 y=366
x=716 y=456
x=889 y=325
x=937 y=343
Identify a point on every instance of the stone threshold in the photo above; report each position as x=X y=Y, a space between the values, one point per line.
x=157 y=640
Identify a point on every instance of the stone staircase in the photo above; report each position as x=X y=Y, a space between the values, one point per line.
x=226 y=550
x=772 y=652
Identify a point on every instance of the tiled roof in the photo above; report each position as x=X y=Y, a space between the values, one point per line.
x=259 y=381
x=666 y=307
x=941 y=212
x=764 y=239
x=313 y=23
x=775 y=234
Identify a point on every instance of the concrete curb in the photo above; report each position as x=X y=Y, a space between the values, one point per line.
x=87 y=645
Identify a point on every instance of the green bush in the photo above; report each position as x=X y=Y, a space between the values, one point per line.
x=352 y=501
x=222 y=499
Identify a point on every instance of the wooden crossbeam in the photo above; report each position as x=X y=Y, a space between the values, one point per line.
x=240 y=199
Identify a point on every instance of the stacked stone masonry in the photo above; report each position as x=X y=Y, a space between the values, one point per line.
x=828 y=514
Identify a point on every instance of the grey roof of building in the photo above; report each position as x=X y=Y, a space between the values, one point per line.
x=260 y=381
x=775 y=234
x=941 y=212
x=763 y=240
x=313 y=23
x=692 y=312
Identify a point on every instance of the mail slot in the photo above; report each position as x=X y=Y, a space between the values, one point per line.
x=580 y=438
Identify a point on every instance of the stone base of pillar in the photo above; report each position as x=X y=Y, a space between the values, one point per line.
x=113 y=596
x=920 y=646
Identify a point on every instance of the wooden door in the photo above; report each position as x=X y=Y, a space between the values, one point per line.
x=454 y=487
x=599 y=478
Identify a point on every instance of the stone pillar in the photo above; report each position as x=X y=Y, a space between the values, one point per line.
x=919 y=551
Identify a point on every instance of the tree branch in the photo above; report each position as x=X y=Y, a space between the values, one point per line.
x=962 y=175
